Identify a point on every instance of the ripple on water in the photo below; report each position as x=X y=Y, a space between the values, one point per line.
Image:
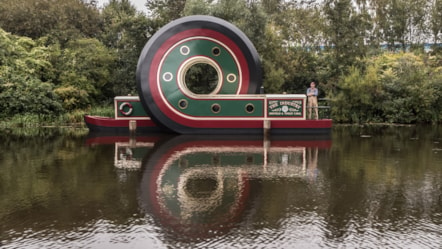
x=98 y=234
x=420 y=234
x=303 y=230
x=311 y=230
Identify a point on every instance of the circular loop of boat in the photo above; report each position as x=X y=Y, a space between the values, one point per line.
x=182 y=43
x=123 y=106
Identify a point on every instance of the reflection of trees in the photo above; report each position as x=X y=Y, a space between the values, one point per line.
x=373 y=180
x=382 y=175
x=51 y=181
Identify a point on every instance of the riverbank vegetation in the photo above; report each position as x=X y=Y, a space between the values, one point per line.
x=62 y=59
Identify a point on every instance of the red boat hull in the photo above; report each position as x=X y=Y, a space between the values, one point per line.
x=106 y=124
x=143 y=125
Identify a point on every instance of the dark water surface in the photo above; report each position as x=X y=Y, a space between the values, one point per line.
x=360 y=187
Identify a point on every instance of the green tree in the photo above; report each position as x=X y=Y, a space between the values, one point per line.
x=412 y=89
x=302 y=38
x=302 y=27
x=436 y=19
x=24 y=74
x=125 y=31
x=358 y=97
x=22 y=95
x=84 y=71
x=394 y=88
x=273 y=73
x=401 y=22
x=272 y=7
x=345 y=30
x=197 y=7
x=60 y=20
x=231 y=10
x=164 y=11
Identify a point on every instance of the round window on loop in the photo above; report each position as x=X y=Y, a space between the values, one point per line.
x=216 y=108
x=183 y=104
x=201 y=78
x=231 y=78
x=216 y=51
x=250 y=108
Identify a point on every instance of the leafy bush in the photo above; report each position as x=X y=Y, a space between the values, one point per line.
x=72 y=97
x=85 y=64
x=357 y=99
x=394 y=88
x=23 y=69
x=32 y=96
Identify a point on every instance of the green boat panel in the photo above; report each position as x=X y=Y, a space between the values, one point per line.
x=227 y=107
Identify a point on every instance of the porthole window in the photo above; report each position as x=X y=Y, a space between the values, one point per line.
x=250 y=108
x=182 y=104
x=216 y=108
x=231 y=78
x=216 y=51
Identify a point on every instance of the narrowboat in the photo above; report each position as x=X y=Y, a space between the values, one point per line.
x=202 y=75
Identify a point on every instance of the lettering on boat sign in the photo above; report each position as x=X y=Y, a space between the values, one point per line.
x=285 y=107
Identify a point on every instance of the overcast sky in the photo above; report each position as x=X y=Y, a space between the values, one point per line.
x=139 y=4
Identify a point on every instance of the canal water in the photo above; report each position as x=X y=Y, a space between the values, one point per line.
x=359 y=187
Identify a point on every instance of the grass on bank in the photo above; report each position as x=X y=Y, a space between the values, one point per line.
x=71 y=119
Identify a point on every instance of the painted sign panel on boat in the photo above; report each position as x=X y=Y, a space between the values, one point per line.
x=285 y=108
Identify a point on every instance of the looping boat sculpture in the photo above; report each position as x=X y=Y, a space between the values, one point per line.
x=232 y=105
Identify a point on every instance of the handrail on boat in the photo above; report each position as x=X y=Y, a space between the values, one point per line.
x=324 y=110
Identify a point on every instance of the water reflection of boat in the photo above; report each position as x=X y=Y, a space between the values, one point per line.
x=129 y=150
x=198 y=186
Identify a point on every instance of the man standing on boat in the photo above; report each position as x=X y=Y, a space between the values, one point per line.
x=312 y=96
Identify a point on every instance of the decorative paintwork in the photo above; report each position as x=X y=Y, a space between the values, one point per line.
x=123 y=104
x=231 y=104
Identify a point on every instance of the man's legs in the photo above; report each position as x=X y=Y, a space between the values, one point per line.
x=312 y=104
x=315 y=105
